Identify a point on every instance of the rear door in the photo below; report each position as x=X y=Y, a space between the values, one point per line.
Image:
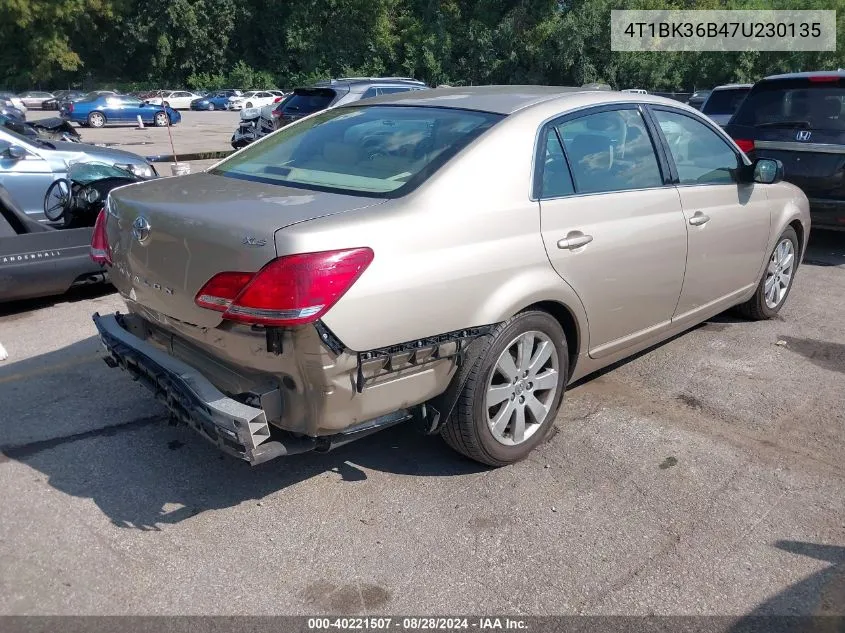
x=728 y=221
x=801 y=122
x=612 y=222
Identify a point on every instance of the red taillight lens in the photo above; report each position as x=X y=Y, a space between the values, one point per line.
x=290 y=290
x=100 y=249
x=277 y=99
x=823 y=78
x=746 y=145
x=219 y=292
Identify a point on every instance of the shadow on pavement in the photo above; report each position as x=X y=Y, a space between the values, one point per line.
x=808 y=605
x=22 y=308
x=145 y=473
x=825 y=354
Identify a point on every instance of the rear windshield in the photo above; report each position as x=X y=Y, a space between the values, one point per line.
x=724 y=101
x=806 y=105
x=380 y=151
x=309 y=101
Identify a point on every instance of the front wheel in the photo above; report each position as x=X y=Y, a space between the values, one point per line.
x=777 y=279
x=161 y=119
x=211 y=107
x=513 y=391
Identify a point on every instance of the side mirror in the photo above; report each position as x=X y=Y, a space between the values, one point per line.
x=768 y=171
x=13 y=152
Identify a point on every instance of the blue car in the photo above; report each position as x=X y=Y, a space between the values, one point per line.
x=99 y=110
x=214 y=101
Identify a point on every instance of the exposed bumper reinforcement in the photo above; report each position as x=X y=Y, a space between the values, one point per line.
x=236 y=428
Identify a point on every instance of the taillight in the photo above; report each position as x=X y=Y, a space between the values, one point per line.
x=220 y=291
x=823 y=78
x=100 y=250
x=746 y=145
x=290 y=290
x=277 y=99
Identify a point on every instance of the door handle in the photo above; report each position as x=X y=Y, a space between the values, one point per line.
x=574 y=239
x=699 y=218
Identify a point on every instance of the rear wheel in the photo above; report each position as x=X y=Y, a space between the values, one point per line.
x=161 y=119
x=211 y=107
x=777 y=279
x=96 y=119
x=249 y=104
x=513 y=391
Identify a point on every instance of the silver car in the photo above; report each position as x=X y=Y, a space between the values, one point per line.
x=28 y=166
x=449 y=258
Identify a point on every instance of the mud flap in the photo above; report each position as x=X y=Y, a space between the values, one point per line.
x=432 y=415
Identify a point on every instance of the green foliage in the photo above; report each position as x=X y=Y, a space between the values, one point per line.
x=207 y=44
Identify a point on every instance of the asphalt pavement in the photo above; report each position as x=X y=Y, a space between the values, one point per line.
x=704 y=476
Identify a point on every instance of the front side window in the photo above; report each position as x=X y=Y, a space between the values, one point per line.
x=701 y=156
x=381 y=151
x=610 y=151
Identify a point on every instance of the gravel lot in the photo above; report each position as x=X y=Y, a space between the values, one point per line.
x=704 y=476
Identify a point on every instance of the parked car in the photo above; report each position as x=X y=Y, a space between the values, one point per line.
x=38 y=260
x=59 y=97
x=218 y=100
x=34 y=98
x=50 y=129
x=636 y=91
x=252 y=99
x=698 y=98
x=798 y=119
x=361 y=282
x=248 y=128
x=29 y=165
x=176 y=99
x=723 y=101
x=324 y=94
x=13 y=100
x=99 y=111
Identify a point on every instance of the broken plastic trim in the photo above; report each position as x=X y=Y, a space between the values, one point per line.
x=417 y=353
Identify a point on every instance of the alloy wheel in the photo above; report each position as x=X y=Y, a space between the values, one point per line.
x=779 y=273
x=522 y=388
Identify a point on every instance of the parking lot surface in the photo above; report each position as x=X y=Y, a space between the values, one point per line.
x=704 y=476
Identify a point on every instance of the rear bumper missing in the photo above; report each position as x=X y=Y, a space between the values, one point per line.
x=235 y=428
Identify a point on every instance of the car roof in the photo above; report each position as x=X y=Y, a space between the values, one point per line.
x=508 y=99
x=807 y=75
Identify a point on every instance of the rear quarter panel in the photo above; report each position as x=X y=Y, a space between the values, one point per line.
x=465 y=249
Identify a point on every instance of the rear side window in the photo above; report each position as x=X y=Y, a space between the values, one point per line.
x=610 y=151
x=310 y=100
x=381 y=151
x=724 y=101
x=701 y=156
x=812 y=106
x=556 y=181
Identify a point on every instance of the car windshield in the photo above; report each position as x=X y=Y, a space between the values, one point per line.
x=810 y=106
x=85 y=173
x=383 y=151
x=724 y=101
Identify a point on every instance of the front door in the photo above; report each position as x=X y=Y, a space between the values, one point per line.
x=728 y=220
x=612 y=226
x=26 y=178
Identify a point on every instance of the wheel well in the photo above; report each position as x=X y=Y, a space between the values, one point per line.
x=799 y=231
x=567 y=322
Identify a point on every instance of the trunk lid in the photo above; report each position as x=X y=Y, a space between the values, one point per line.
x=193 y=227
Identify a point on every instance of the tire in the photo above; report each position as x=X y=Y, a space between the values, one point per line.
x=96 y=119
x=161 y=119
x=763 y=305
x=470 y=430
x=249 y=104
x=211 y=107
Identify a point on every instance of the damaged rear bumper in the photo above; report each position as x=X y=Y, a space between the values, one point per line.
x=235 y=428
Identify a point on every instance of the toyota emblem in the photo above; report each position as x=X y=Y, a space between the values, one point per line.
x=141 y=229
